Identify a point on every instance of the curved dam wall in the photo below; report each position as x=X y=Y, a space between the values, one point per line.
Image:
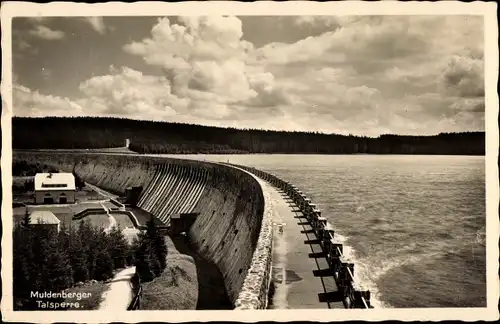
x=232 y=221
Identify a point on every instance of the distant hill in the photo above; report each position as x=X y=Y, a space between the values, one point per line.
x=176 y=138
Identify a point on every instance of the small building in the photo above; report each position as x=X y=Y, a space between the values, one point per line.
x=45 y=218
x=54 y=188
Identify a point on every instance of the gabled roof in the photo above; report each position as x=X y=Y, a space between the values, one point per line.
x=44 y=217
x=54 y=181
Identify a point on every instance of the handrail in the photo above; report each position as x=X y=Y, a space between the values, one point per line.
x=137 y=287
x=354 y=297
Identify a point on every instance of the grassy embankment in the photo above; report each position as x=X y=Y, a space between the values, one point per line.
x=176 y=288
x=189 y=282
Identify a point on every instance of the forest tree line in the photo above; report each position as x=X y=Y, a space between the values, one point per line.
x=45 y=260
x=22 y=168
x=27 y=170
x=175 y=138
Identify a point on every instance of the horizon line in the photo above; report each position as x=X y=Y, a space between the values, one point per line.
x=249 y=129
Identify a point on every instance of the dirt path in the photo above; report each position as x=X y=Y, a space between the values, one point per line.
x=119 y=295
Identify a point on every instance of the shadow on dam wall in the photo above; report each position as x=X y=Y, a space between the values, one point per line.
x=229 y=201
x=211 y=296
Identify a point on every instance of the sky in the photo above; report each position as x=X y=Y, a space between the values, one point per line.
x=361 y=75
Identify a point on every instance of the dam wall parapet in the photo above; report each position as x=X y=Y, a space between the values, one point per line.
x=353 y=295
x=255 y=291
x=232 y=228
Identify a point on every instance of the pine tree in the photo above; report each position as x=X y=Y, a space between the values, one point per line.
x=143 y=258
x=78 y=258
x=156 y=266
x=86 y=233
x=130 y=255
x=135 y=246
x=100 y=247
x=26 y=218
x=22 y=267
x=79 y=182
x=41 y=253
x=64 y=237
x=29 y=185
x=49 y=268
x=59 y=273
x=159 y=248
x=104 y=265
x=118 y=247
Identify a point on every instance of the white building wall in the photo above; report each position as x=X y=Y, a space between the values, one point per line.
x=56 y=195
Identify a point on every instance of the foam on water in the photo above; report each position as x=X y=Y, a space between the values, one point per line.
x=481 y=236
x=369 y=270
x=362 y=273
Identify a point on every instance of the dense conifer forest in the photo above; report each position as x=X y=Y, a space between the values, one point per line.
x=48 y=261
x=176 y=138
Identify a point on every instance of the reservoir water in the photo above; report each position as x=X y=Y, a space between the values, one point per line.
x=414 y=225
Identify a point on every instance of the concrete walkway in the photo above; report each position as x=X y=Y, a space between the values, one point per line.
x=299 y=267
x=119 y=294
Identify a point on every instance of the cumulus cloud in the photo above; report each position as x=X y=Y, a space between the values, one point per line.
x=419 y=75
x=174 y=46
x=129 y=92
x=472 y=105
x=327 y=96
x=21 y=46
x=206 y=58
x=44 y=32
x=364 y=75
x=132 y=93
x=330 y=21
x=37 y=19
x=97 y=24
x=354 y=40
x=123 y=93
x=374 y=43
x=464 y=77
x=32 y=103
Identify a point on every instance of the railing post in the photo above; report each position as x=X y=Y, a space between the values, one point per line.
x=343 y=270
